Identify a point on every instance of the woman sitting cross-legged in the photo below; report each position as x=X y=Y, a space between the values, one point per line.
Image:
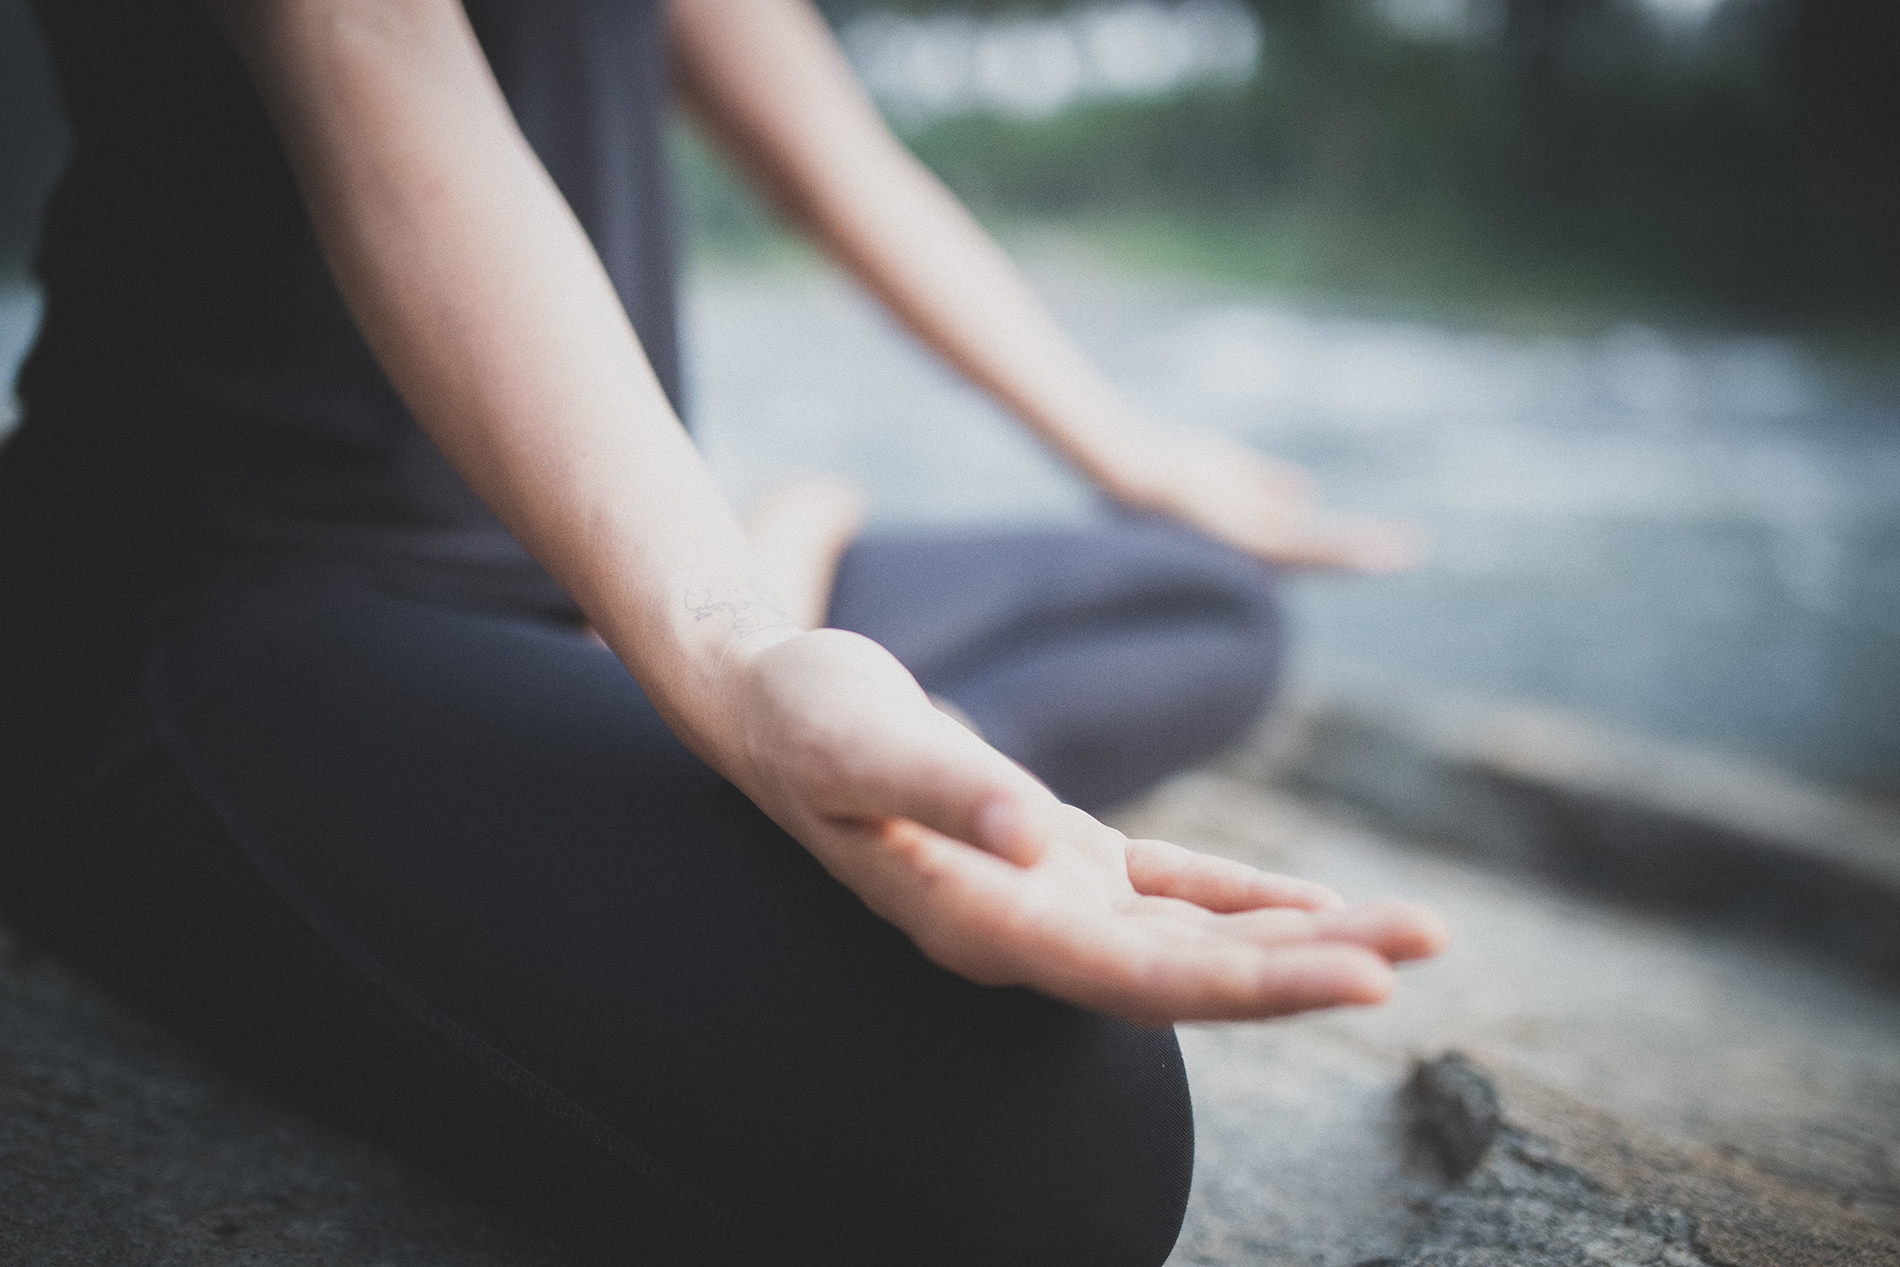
x=395 y=706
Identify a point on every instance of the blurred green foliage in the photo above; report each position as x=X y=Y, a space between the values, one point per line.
x=1572 y=153
x=32 y=136
x=1577 y=154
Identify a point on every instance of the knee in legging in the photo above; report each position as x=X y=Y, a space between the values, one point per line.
x=1092 y=1170
x=1119 y=705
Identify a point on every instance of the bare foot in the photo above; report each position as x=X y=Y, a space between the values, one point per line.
x=799 y=530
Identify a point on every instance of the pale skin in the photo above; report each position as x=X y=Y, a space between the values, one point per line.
x=484 y=302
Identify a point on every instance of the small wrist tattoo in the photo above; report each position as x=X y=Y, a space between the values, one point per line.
x=746 y=611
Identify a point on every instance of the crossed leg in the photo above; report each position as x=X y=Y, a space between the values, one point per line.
x=1102 y=658
x=447 y=874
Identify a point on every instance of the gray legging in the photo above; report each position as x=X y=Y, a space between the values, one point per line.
x=443 y=874
x=1103 y=660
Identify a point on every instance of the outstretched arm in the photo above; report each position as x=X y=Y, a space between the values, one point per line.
x=769 y=83
x=482 y=299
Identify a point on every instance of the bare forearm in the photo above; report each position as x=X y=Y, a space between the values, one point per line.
x=768 y=82
x=486 y=305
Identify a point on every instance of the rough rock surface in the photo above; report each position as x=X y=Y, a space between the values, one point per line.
x=122 y=1148
x=1524 y=1208
x=1547 y=1181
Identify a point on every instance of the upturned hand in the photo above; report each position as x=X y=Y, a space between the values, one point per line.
x=996 y=880
x=1257 y=504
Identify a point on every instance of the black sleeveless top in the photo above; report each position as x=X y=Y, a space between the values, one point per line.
x=199 y=401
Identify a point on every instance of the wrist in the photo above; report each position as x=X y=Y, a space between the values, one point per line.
x=1115 y=450
x=694 y=656
x=734 y=634
x=1135 y=471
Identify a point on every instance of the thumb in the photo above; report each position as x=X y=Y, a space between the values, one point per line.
x=947 y=779
x=862 y=741
x=1371 y=546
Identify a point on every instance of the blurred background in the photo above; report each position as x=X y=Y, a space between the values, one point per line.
x=1605 y=293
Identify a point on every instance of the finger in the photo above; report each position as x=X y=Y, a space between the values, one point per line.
x=980 y=896
x=1022 y=828
x=1396 y=931
x=1286 y=482
x=979 y=916
x=1186 y=983
x=1293 y=980
x=884 y=752
x=1379 y=548
x=957 y=900
x=1400 y=931
x=1354 y=545
x=945 y=894
x=1168 y=960
x=859 y=743
x=1160 y=869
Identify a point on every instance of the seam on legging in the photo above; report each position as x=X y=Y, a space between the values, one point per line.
x=497 y=1062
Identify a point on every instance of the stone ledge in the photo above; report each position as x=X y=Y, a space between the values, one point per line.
x=121 y=1147
x=1540 y=790
x=1544 y=1180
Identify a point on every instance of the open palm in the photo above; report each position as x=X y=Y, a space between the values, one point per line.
x=1139 y=929
x=996 y=880
x=1260 y=505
